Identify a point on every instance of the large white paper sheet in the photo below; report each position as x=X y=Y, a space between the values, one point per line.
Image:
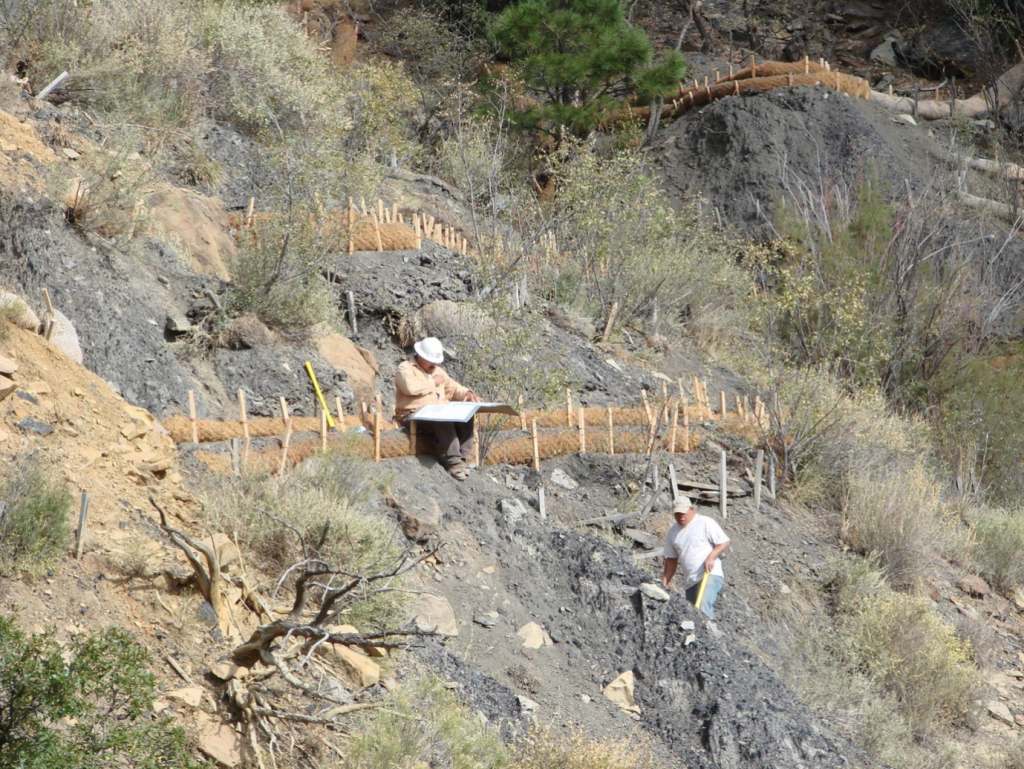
x=460 y=411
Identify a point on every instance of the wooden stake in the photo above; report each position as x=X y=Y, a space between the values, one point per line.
x=376 y=230
x=771 y=475
x=249 y=212
x=244 y=419
x=758 y=465
x=722 y=488
x=721 y=402
x=541 y=506
x=753 y=67
x=351 y=297
x=647 y=406
x=49 y=303
x=609 y=324
x=380 y=209
x=51 y=324
x=362 y=205
x=287 y=435
x=583 y=429
x=568 y=407
x=394 y=213
x=192 y=415
x=83 y=515
x=696 y=391
x=686 y=431
x=739 y=406
x=611 y=432
x=672 y=438
x=376 y=436
x=341 y=413
x=351 y=227
x=536 y=447
x=746 y=409
x=807 y=66
x=673 y=482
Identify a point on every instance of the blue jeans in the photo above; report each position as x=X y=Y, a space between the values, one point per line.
x=711 y=591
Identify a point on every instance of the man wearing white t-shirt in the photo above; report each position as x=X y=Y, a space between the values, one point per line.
x=696 y=541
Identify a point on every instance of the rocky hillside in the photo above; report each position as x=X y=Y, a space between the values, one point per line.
x=531 y=595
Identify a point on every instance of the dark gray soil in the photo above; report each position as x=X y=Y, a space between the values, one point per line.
x=760 y=147
x=711 y=703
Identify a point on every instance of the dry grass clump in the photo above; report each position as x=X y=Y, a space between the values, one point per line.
x=904 y=648
x=324 y=499
x=997 y=547
x=544 y=748
x=34 y=523
x=424 y=725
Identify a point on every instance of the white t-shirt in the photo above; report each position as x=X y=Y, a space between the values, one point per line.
x=693 y=544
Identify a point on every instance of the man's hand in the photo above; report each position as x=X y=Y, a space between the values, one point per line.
x=709 y=564
x=472 y=397
x=438 y=379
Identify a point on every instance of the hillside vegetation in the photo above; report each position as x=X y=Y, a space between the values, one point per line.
x=886 y=352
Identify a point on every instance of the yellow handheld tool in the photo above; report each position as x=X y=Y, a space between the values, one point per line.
x=319 y=394
x=700 y=591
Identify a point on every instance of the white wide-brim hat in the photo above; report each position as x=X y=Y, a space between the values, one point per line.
x=430 y=349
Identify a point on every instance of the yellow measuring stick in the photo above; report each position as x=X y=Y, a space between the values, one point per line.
x=319 y=394
x=700 y=592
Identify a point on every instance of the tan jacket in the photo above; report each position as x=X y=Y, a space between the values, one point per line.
x=415 y=388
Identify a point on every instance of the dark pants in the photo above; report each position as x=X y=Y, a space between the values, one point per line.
x=454 y=439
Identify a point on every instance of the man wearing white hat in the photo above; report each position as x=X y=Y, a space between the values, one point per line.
x=422 y=382
x=696 y=541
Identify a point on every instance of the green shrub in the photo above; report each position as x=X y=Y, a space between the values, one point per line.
x=904 y=648
x=621 y=243
x=35 y=524
x=84 y=706
x=331 y=490
x=998 y=547
x=276 y=274
x=896 y=513
x=423 y=725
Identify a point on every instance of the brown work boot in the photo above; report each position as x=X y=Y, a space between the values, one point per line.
x=459 y=471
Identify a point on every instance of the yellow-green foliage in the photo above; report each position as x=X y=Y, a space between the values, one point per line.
x=330 y=489
x=998 y=547
x=619 y=242
x=905 y=649
x=277 y=271
x=545 y=748
x=423 y=725
x=825 y=306
x=35 y=525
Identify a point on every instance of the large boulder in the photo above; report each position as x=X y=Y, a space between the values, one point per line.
x=196 y=223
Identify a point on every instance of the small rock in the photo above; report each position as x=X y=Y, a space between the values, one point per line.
x=30 y=425
x=654 y=592
x=190 y=695
x=1000 y=712
x=226 y=670
x=784 y=589
x=176 y=324
x=620 y=691
x=885 y=53
x=432 y=612
x=687 y=624
x=223 y=744
x=534 y=636
x=8 y=366
x=526 y=705
x=420 y=517
x=691 y=638
x=513 y=511
x=488 y=620
x=974 y=585
x=1018 y=598
x=1019 y=719
x=905 y=120
x=585 y=697
x=39 y=387
x=561 y=478
x=71 y=154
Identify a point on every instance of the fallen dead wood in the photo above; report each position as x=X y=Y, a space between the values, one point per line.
x=989 y=100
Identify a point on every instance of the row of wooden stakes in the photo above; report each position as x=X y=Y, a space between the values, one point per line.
x=423 y=226
x=671 y=413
